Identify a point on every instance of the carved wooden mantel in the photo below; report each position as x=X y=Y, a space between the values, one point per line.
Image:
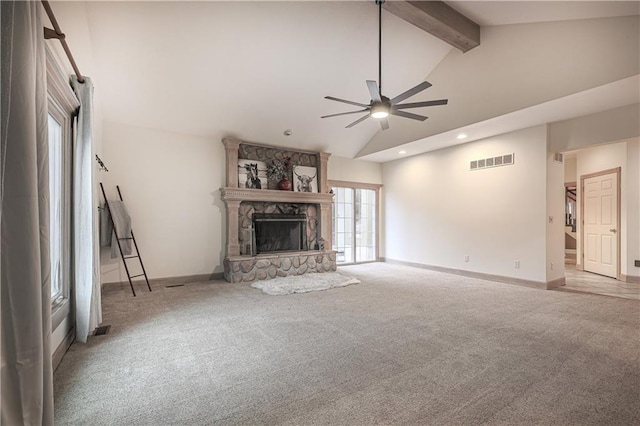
x=233 y=196
x=245 y=194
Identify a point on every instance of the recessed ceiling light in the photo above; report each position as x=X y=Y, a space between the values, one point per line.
x=402 y=152
x=461 y=136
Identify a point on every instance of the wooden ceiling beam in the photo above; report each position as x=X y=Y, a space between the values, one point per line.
x=438 y=19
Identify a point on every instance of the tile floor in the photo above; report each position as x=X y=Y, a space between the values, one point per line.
x=586 y=282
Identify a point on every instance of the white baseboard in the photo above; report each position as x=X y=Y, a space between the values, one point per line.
x=118 y=285
x=489 y=277
x=62 y=348
x=630 y=278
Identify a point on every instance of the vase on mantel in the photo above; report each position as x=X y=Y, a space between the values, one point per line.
x=284 y=184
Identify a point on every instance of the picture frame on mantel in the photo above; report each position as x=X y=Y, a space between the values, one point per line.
x=252 y=174
x=305 y=179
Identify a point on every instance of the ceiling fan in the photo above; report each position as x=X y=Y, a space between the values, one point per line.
x=381 y=106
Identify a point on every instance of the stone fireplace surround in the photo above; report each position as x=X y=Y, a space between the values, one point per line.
x=239 y=264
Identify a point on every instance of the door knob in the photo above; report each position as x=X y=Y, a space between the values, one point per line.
x=614 y=230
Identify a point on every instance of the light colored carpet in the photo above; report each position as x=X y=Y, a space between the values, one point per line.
x=407 y=346
x=304 y=283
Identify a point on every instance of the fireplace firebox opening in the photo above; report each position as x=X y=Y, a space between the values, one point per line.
x=275 y=232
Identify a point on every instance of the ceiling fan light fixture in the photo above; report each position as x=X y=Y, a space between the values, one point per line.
x=379 y=111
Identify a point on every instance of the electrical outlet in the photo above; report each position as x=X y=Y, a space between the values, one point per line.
x=516 y=264
x=552 y=266
x=466 y=258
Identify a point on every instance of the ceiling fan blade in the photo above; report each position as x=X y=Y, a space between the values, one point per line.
x=344 y=113
x=417 y=89
x=374 y=91
x=408 y=115
x=357 y=121
x=331 y=98
x=384 y=123
x=422 y=104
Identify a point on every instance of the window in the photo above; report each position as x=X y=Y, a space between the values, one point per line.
x=59 y=136
x=62 y=107
x=365 y=221
x=343 y=224
x=57 y=225
x=355 y=222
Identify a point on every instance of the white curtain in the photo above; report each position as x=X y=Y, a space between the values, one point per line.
x=27 y=379
x=86 y=244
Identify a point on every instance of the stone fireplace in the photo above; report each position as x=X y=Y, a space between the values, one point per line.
x=274 y=232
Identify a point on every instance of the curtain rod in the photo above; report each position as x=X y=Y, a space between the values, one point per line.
x=57 y=33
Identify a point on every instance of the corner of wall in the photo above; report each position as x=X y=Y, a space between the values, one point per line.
x=555 y=219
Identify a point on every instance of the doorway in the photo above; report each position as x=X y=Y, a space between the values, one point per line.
x=355 y=222
x=595 y=215
x=601 y=221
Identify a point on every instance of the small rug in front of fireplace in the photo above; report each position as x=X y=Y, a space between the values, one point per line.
x=304 y=283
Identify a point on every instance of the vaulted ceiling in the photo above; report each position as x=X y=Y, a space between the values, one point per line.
x=254 y=69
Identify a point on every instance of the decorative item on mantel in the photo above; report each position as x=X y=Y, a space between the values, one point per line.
x=279 y=170
x=306 y=179
x=251 y=173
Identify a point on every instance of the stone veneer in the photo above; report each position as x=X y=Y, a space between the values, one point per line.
x=268 y=266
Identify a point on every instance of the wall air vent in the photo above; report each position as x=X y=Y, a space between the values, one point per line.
x=558 y=157
x=485 y=163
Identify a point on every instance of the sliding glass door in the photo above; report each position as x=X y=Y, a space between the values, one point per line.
x=354 y=224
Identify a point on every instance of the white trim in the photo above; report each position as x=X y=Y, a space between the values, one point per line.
x=489 y=277
x=58 y=86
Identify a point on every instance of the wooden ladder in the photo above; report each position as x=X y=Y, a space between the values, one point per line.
x=132 y=238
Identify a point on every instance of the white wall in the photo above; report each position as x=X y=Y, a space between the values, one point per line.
x=594 y=129
x=437 y=211
x=555 y=218
x=605 y=157
x=570 y=169
x=346 y=169
x=170 y=183
x=633 y=207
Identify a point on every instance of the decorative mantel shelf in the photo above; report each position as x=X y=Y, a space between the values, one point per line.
x=245 y=267
x=271 y=195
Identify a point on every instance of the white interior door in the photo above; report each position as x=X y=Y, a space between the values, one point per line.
x=601 y=224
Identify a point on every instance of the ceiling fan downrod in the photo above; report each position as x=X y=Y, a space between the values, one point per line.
x=379 y=3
